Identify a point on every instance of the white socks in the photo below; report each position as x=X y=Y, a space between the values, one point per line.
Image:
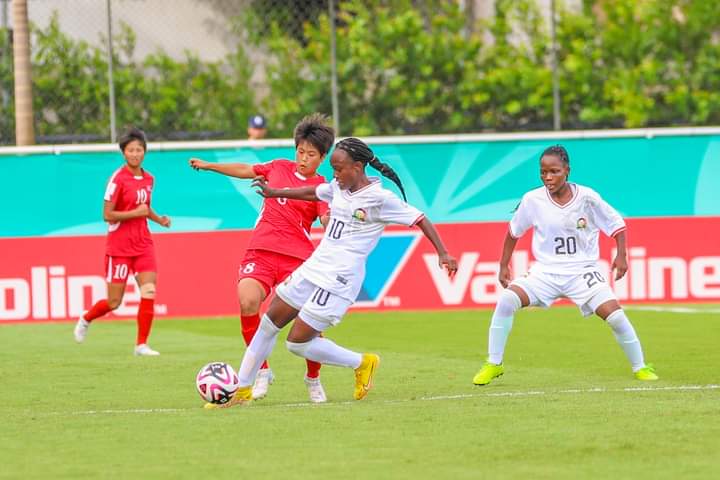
x=324 y=351
x=259 y=349
x=501 y=324
x=627 y=338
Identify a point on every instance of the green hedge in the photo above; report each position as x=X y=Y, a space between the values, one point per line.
x=404 y=67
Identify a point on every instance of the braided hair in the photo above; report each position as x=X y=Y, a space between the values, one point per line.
x=559 y=152
x=360 y=152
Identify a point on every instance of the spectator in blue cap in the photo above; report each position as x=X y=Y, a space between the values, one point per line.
x=257 y=127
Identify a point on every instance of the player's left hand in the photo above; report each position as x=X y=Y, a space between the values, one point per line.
x=620 y=266
x=165 y=221
x=448 y=262
x=260 y=185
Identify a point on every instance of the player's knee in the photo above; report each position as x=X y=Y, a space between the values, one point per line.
x=147 y=290
x=508 y=302
x=299 y=349
x=249 y=305
x=616 y=317
x=114 y=303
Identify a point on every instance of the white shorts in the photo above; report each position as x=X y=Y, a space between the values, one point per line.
x=318 y=308
x=588 y=289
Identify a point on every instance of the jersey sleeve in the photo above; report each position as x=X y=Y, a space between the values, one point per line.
x=113 y=190
x=326 y=191
x=263 y=168
x=606 y=217
x=394 y=210
x=521 y=220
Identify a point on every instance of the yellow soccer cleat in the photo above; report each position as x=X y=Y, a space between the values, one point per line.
x=487 y=373
x=647 y=373
x=364 y=375
x=243 y=396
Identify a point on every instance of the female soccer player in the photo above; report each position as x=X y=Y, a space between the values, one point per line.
x=281 y=240
x=129 y=246
x=323 y=288
x=566 y=219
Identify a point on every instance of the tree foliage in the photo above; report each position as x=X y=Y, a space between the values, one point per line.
x=404 y=67
x=166 y=97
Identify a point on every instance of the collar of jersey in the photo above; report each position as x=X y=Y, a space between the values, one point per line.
x=300 y=176
x=373 y=181
x=573 y=187
x=136 y=177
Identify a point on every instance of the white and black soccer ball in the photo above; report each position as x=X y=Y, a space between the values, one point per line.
x=217 y=382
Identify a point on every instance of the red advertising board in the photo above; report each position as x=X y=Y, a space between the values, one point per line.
x=55 y=278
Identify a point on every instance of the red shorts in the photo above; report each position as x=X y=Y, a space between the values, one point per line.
x=268 y=268
x=117 y=269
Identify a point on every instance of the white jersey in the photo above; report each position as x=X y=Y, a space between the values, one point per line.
x=565 y=237
x=357 y=219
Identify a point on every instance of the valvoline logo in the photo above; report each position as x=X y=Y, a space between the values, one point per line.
x=384 y=264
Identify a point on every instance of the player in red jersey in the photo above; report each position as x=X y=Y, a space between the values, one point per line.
x=281 y=240
x=129 y=247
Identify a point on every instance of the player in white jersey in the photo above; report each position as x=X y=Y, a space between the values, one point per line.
x=566 y=219
x=321 y=290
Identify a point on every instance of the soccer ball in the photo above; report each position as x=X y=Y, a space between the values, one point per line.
x=217 y=382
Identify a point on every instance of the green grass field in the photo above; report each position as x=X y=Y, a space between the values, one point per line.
x=567 y=407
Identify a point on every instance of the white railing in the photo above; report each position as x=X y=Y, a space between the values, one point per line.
x=405 y=139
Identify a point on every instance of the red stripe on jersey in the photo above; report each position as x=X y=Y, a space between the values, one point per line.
x=418 y=220
x=621 y=229
x=575 y=191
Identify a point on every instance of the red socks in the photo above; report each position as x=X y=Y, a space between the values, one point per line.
x=145 y=314
x=97 y=310
x=250 y=324
x=313 y=369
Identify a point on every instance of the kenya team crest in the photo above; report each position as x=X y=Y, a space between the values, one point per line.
x=360 y=214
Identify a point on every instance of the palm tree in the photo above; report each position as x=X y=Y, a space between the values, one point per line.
x=24 y=132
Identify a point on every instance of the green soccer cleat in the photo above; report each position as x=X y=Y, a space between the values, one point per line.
x=487 y=373
x=647 y=373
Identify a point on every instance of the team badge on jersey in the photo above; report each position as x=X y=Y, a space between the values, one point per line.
x=360 y=214
x=581 y=223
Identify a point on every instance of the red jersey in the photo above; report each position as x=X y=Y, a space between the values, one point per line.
x=284 y=225
x=130 y=237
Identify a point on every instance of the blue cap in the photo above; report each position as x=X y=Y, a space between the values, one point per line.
x=257 y=121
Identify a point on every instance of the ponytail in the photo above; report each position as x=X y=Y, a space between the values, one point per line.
x=360 y=152
x=387 y=171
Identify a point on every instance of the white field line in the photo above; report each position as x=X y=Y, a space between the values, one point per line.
x=671 y=309
x=531 y=393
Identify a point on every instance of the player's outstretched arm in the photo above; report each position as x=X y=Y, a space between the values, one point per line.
x=620 y=262
x=444 y=258
x=163 y=220
x=239 y=170
x=504 y=275
x=111 y=215
x=300 y=193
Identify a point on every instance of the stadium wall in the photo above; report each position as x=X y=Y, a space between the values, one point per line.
x=663 y=181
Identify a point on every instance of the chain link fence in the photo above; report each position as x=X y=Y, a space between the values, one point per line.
x=181 y=69
x=198 y=69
